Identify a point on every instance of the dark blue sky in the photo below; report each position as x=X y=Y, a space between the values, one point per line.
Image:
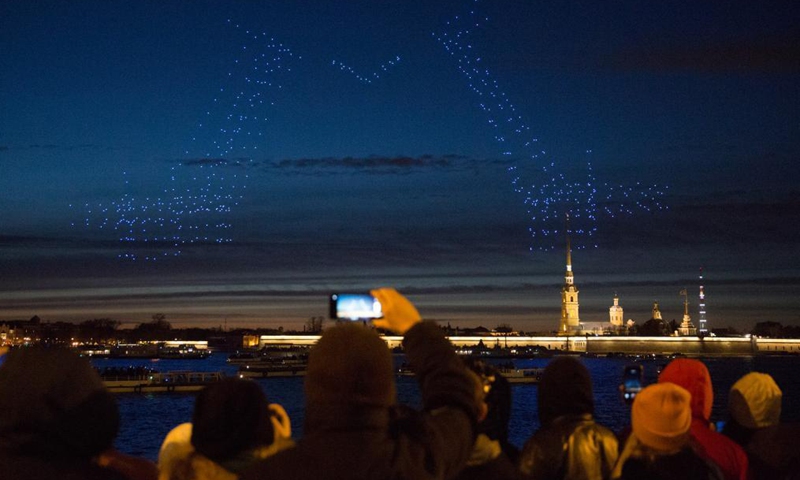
x=265 y=153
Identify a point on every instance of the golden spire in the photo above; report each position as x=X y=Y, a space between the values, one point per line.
x=568 y=277
x=685 y=295
x=569 y=248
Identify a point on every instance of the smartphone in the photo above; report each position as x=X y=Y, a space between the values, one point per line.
x=632 y=378
x=354 y=306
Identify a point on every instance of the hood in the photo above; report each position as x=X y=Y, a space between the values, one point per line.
x=59 y=406
x=350 y=366
x=755 y=401
x=693 y=376
x=564 y=389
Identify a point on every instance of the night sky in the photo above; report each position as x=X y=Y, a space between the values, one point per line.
x=233 y=162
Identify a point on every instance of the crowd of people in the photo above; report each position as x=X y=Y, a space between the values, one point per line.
x=57 y=421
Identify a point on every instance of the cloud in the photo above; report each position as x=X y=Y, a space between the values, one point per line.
x=52 y=147
x=67 y=148
x=775 y=54
x=378 y=164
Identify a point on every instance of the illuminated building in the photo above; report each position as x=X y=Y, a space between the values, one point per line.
x=703 y=331
x=687 y=327
x=570 y=320
x=615 y=314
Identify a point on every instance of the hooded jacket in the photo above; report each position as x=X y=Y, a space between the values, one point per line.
x=570 y=444
x=55 y=416
x=754 y=405
x=353 y=430
x=488 y=461
x=727 y=455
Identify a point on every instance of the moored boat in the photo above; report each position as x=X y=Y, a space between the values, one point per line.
x=269 y=355
x=522 y=375
x=149 y=381
x=287 y=369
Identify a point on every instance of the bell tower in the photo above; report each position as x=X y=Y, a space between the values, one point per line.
x=615 y=314
x=570 y=320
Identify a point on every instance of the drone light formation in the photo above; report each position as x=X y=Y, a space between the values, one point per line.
x=364 y=77
x=548 y=193
x=205 y=187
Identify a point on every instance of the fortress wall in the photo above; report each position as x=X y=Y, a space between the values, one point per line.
x=551 y=343
x=667 y=345
x=598 y=344
x=778 y=345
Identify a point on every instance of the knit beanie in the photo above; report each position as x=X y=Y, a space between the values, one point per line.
x=230 y=417
x=350 y=366
x=693 y=376
x=755 y=401
x=53 y=404
x=661 y=416
x=564 y=389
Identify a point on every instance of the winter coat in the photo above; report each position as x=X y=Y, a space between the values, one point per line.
x=754 y=405
x=684 y=465
x=488 y=461
x=570 y=444
x=55 y=417
x=772 y=451
x=348 y=441
x=570 y=447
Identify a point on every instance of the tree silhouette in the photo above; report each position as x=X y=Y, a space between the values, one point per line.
x=98 y=329
x=653 y=328
x=156 y=329
x=314 y=324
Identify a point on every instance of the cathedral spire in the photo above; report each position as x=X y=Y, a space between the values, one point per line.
x=569 y=248
x=570 y=319
x=687 y=327
x=568 y=277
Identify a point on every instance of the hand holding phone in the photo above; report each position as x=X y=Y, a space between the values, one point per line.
x=632 y=379
x=399 y=314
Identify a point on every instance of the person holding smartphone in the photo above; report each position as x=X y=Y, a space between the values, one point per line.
x=353 y=428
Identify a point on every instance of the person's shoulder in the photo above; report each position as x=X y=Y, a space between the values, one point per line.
x=288 y=463
x=501 y=468
x=596 y=433
x=312 y=457
x=722 y=441
x=721 y=451
x=709 y=437
x=32 y=469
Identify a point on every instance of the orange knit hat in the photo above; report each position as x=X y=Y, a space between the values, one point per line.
x=661 y=416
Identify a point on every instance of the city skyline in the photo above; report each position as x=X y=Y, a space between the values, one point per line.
x=238 y=161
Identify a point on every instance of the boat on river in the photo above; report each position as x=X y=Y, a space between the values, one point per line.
x=272 y=362
x=272 y=370
x=268 y=355
x=174 y=350
x=142 y=380
x=517 y=376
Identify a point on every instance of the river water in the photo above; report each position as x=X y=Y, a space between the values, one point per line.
x=146 y=418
